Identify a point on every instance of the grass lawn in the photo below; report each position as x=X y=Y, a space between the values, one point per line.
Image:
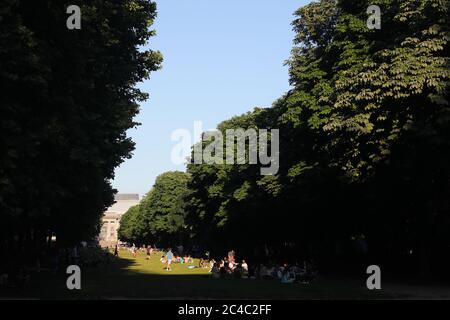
x=140 y=265
x=138 y=278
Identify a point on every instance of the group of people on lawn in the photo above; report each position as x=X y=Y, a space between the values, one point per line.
x=286 y=273
x=227 y=267
x=170 y=258
x=167 y=258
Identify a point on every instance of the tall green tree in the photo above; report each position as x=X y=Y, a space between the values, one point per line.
x=128 y=229
x=161 y=217
x=68 y=98
x=364 y=143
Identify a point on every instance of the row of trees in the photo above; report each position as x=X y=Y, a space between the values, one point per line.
x=159 y=218
x=364 y=149
x=68 y=98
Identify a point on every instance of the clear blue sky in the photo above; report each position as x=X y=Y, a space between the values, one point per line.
x=221 y=58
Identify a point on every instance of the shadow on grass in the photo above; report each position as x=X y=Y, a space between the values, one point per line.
x=122 y=278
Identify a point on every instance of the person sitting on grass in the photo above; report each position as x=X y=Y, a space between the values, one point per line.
x=231 y=256
x=212 y=262
x=228 y=270
x=222 y=271
x=244 y=269
x=253 y=272
x=310 y=272
x=261 y=271
x=215 y=271
x=298 y=270
x=236 y=272
x=279 y=271
x=231 y=265
x=271 y=271
x=288 y=276
x=266 y=273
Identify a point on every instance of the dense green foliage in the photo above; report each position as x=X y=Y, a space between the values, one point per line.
x=364 y=153
x=159 y=218
x=128 y=225
x=68 y=97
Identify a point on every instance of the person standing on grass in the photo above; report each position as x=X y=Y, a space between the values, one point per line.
x=169 y=256
x=244 y=268
x=231 y=256
x=116 y=251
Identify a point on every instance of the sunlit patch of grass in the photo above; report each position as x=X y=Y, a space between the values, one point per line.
x=140 y=265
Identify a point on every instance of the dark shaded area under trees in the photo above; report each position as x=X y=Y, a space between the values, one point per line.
x=68 y=97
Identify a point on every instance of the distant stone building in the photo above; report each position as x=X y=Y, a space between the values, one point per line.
x=111 y=219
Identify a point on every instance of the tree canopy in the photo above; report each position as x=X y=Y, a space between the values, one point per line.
x=68 y=98
x=159 y=218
